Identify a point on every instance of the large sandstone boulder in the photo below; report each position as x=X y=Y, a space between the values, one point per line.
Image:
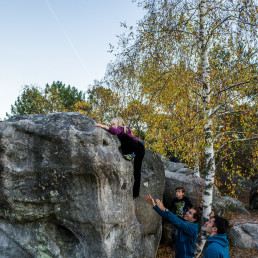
x=66 y=191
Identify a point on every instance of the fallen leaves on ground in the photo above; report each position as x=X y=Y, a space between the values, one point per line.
x=238 y=253
x=167 y=252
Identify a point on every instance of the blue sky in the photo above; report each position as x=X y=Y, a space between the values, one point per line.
x=57 y=40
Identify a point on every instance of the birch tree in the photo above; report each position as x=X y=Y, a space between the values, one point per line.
x=209 y=150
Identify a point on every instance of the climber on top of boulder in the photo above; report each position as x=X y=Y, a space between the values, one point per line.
x=132 y=148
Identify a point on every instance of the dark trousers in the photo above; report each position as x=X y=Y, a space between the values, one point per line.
x=128 y=146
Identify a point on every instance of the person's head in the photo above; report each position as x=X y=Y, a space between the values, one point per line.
x=114 y=122
x=193 y=215
x=180 y=192
x=216 y=225
x=118 y=121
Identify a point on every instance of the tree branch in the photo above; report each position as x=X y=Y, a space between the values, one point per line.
x=231 y=87
x=218 y=25
x=236 y=132
x=240 y=140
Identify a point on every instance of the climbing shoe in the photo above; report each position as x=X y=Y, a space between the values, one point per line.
x=129 y=157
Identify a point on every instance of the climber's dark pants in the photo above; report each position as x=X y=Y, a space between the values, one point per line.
x=128 y=146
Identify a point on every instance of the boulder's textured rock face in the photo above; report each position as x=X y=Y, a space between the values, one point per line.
x=152 y=182
x=66 y=191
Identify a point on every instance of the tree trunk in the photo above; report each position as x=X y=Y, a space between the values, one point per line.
x=209 y=151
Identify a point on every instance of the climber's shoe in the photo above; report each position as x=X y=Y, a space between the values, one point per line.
x=129 y=157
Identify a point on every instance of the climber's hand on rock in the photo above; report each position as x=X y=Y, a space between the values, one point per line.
x=102 y=126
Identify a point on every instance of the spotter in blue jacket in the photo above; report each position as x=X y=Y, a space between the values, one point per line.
x=218 y=247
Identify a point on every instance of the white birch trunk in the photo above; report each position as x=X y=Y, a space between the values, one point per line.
x=210 y=167
x=209 y=151
x=197 y=166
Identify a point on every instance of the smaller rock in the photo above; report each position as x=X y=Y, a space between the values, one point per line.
x=244 y=236
x=246 y=184
x=186 y=171
x=225 y=203
x=254 y=197
x=172 y=166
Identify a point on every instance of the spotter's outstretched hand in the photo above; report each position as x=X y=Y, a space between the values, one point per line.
x=149 y=200
x=160 y=204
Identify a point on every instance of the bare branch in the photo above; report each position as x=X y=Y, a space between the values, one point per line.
x=231 y=87
x=218 y=25
x=238 y=140
x=236 y=132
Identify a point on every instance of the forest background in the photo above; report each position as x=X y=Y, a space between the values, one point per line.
x=185 y=80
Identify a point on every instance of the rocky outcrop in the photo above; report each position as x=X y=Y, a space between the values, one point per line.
x=66 y=191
